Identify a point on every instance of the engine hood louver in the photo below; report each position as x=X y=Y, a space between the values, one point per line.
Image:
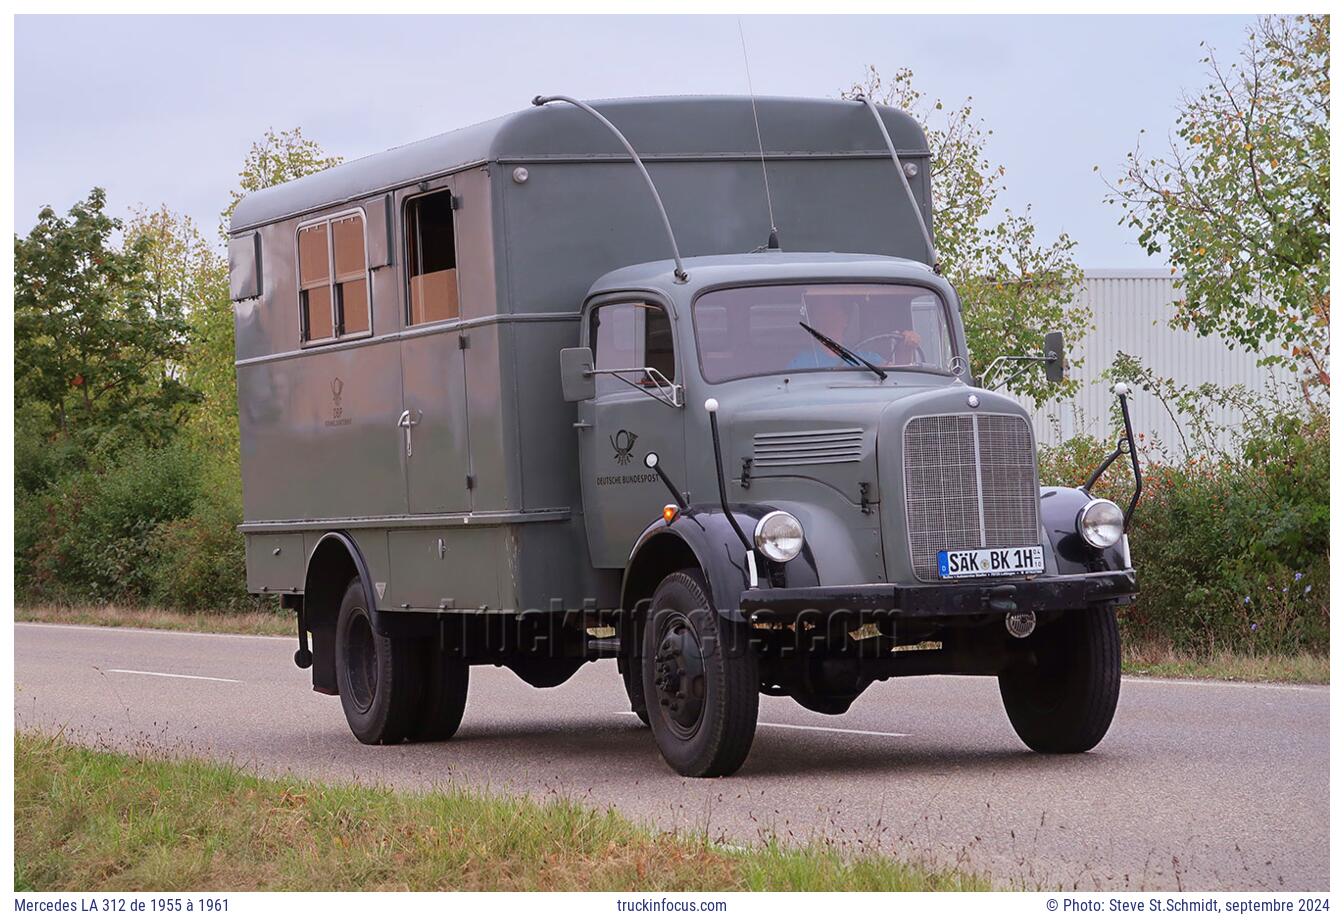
x=805 y=448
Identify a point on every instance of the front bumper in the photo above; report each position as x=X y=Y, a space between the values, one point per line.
x=955 y=600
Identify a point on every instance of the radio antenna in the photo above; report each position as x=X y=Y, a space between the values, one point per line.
x=773 y=241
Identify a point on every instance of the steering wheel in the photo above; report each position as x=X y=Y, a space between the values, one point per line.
x=895 y=338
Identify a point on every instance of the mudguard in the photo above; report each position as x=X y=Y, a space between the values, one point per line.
x=324 y=558
x=703 y=534
x=1059 y=519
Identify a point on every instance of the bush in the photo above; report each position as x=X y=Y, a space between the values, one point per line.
x=154 y=525
x=1232 y=549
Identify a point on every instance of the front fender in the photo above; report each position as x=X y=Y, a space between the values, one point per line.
x=702 y=536
x=1059 y=519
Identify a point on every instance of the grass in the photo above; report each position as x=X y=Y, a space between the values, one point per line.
x=256 y=623
x=88 y=820
x=1153 y=660
x=1140 y=659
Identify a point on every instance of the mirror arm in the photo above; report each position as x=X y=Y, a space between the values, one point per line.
x=672 y=397
x=1030 y=359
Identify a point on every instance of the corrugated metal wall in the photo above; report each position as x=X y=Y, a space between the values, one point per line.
x=1130 y=311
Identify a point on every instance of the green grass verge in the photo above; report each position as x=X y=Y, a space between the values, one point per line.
x=1145 y=660
x=88 y=820
x=1302 y=668
x=258 y=623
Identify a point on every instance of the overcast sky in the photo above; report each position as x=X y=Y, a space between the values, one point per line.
x=163 y=109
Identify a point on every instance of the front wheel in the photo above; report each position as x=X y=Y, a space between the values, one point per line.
x=1062 y=697
x=700 y=680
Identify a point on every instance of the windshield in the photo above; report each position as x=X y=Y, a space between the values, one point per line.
x=745 y=332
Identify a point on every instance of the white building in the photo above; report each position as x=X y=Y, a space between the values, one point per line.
x=1131 y=309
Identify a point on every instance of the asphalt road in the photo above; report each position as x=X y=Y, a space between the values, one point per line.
x=1197 y=786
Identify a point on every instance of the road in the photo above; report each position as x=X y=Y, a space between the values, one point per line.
x=1198 y=785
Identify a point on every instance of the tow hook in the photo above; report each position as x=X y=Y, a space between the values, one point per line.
x=1020 y=625
x=1001 y=598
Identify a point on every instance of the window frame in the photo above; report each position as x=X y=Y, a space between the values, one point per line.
x=647 y=300
x=958 y=348
x=337 y=306
x=406 y=204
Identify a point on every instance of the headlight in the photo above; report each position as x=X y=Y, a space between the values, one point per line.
x=779 y=536
x=1101 y=523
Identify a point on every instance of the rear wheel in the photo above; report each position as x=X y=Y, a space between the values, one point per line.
x=375 y=675
x=1062 y=698
x=701 y=681
x=444 y=679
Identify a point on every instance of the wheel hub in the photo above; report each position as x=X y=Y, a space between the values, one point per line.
x=679 y=675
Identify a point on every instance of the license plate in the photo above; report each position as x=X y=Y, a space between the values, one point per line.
x=978 y=563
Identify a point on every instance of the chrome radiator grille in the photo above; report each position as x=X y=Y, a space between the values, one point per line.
x=970 y=483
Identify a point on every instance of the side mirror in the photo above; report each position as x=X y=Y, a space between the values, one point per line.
x=1055 y=362
x=576 y=374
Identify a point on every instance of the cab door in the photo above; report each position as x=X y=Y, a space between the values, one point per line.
x=635 y=409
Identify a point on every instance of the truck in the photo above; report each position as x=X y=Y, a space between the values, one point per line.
x=675 y=381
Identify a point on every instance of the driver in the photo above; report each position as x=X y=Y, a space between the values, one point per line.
x=833 y=316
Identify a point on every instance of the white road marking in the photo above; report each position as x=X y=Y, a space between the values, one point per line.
x=222 y=680
x=813 y=728
x=827 y=728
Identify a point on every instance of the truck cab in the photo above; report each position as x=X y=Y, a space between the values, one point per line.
x=491 y=416
x=832 y=511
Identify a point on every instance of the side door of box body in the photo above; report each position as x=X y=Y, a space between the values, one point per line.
x=432 y=425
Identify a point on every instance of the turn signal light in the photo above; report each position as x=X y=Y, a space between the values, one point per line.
x=669 y=513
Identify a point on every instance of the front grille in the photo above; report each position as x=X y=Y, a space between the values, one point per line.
x=802 y=448
x=970 y=483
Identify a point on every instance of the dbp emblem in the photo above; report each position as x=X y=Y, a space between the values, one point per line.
x=623 y=442
x=337 y=385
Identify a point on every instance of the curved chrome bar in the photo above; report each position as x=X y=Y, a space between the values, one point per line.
x=905 y=182
x=667 y=224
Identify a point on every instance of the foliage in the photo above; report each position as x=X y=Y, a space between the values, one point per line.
x=187 y=269
x=90 y=535
x=276 y=158
x=96 y=342
x=1013 y=287
x=1232 y=548
x=1240 y=202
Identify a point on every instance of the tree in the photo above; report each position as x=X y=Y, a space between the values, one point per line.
x=97 y=343
x=274 y=159
x=1240 y=200
x=1014 y=288
x=184 y=267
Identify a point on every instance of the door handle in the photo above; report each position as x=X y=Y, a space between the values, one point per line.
x=408 y=421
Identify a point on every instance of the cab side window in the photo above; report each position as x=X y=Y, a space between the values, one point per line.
x=333 y=279
x=431 y=259
x=631 y=336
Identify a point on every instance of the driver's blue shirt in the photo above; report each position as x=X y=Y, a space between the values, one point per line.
x=821 y=356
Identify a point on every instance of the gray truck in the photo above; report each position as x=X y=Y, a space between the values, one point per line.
x=490 y=414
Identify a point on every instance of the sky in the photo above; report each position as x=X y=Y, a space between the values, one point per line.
x=162 y=109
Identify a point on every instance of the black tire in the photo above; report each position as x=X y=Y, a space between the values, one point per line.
x=633 y=678
x=632 y=671
x=689 y=649
x=376 y=676
x=439 y=714
x=1064 y=700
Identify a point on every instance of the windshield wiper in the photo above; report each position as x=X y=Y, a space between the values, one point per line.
x=849 y=357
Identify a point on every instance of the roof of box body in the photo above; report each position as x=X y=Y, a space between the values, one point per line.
x=671 y=127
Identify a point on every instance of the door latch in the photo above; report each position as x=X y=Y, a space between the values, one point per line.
x=408 y=420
